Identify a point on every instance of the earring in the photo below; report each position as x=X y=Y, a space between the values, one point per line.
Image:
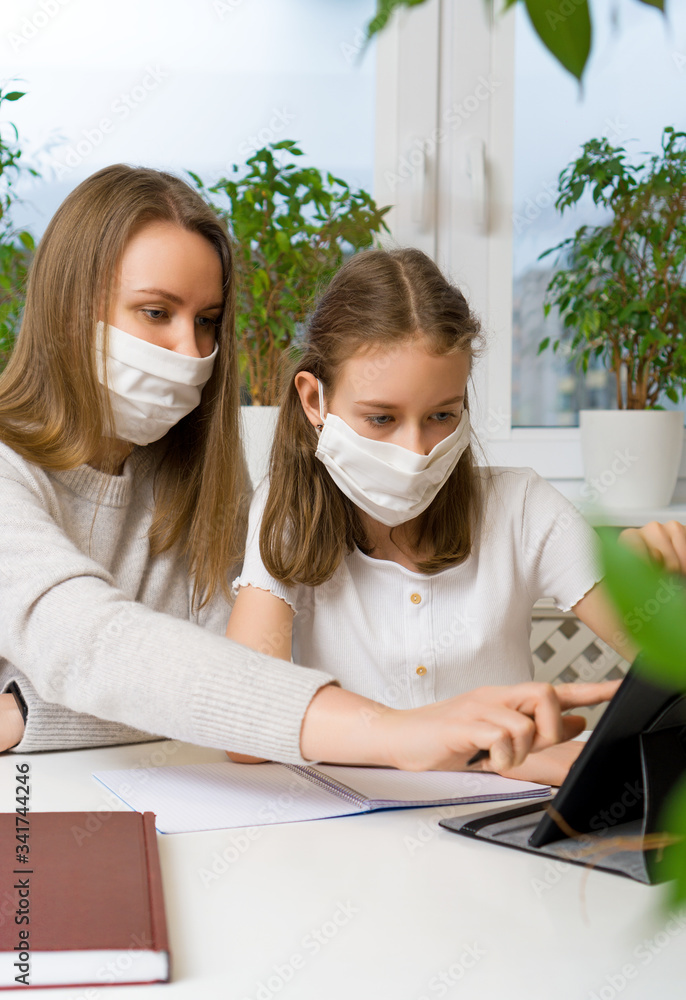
x=320 y=427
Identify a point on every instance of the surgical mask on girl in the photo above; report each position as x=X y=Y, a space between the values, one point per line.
x=390 y=483
x=150 y=388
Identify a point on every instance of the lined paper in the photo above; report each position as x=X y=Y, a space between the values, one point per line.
x=222 y=795
x=435 y=787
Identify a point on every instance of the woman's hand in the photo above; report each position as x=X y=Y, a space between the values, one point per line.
x=665 y=544
x=508 y=721
x=11 y=722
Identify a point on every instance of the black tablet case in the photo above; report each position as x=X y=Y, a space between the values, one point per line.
x=613 y=795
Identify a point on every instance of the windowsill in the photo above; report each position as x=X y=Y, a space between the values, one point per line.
x=554 y=452
x=595 y=515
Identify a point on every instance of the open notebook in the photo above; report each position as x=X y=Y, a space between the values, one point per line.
x=217 y=796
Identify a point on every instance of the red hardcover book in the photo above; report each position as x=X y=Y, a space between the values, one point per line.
x=86 y=906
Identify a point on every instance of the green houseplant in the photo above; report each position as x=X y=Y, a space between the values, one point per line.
x=292 y=227
x=620 y=288
x=16 y=245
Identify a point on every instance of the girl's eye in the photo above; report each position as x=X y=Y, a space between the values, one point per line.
x=444 y=417
x=208 y=322
x=379 y=421
x=154 y=313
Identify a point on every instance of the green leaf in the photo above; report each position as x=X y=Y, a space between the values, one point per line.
x=673 y=821
x=660 y=4
x=566 y=36
x=14 y=95
x=652 y=604
x=384 y=11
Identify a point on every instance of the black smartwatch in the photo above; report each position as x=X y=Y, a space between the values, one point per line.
x=21 y=704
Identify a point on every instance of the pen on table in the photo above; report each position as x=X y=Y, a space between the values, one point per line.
x=479 y=755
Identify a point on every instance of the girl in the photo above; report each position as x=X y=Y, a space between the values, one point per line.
x=378 y=548
x=122 y=492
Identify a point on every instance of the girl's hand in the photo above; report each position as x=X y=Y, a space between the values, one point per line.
x=665 y=544
x=11 y=722
x=549 y=766
x=508 y=721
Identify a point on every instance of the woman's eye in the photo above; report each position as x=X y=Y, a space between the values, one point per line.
x=379 y=421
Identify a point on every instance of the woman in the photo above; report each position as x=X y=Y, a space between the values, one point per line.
x=122 y=514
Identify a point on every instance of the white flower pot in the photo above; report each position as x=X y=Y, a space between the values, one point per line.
x=631 y=457
x=258 y=433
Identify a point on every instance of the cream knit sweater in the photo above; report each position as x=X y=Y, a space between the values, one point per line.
x=101 y=638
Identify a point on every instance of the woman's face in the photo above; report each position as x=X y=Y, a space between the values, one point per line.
x=405 y=395
x=168 y=290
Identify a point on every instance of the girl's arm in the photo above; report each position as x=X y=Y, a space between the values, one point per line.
x=11 y=722
x=264 y=622
x=665 y=544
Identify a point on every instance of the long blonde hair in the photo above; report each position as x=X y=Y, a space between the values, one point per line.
x=53 y=411
x=378 y=298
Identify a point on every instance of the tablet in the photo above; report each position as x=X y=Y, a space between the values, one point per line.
x=638 y=744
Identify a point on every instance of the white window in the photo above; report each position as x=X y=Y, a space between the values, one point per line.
x=475 y=120
x=182 y=85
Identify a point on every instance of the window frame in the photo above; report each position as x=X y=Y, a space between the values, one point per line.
x=428 y=60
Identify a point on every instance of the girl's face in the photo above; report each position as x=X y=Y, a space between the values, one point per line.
x=168 y=290
x=404 y=394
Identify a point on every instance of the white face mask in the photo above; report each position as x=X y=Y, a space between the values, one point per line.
x=150 y=387
x=390 y=483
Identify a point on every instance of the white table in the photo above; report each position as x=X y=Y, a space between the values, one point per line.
x=395 y=901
